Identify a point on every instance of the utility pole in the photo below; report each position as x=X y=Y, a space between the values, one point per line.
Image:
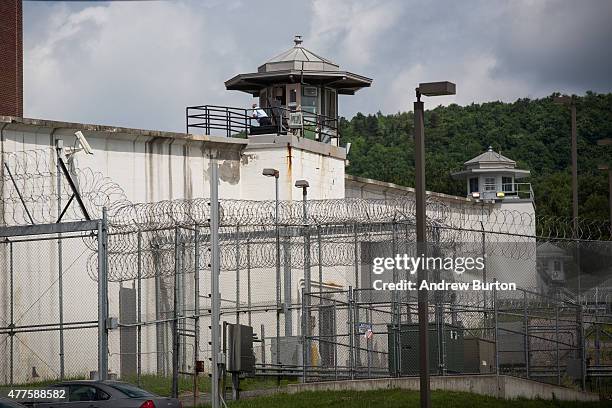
x=607 y=142
x=571 y=102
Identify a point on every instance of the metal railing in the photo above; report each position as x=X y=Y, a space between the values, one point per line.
x=239 y=122
x=512 y=191
x=233 y=122
x=518 y=190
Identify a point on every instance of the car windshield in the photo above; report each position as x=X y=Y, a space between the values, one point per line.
x=130 y=390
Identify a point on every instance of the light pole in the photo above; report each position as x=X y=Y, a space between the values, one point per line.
x=303 y=184
x=607 y=142
x=427 y=89
x=274 y=173
x=570 y=101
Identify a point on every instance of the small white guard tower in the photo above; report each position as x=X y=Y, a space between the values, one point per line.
x=491 y=176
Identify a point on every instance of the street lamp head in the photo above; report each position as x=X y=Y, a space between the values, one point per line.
x=270 y=173
x=563 y=100
x=604 y=142
x=437 y=88
x=302 y=184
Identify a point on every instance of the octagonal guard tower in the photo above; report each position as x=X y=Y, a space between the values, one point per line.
x=299 y=90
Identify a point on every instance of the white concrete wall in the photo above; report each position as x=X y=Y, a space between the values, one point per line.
x=295 y=159
x=509 y=218
x=149 y=166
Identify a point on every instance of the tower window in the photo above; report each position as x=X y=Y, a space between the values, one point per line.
x=490 y=184
x=473 y=185
x=507 y=184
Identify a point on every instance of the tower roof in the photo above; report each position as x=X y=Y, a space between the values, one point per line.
x=298 y=57
x=490 y=162
x=298 y=65
x=490 y=156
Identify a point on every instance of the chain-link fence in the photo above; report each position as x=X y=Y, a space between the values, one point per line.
x=49 y=310
x=314 y=309
x=305 y=280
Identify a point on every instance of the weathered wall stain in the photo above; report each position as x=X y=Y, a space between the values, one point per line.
x=187 y=186
x=229 y=171
x=246 y=158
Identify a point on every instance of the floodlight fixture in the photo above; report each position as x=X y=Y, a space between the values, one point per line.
x=436 y=88
x=270 y=173
x=302 y=184
x=604 y=142
x=563 y=100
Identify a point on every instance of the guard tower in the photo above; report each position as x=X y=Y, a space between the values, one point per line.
x=491 y=176
x=300 y=91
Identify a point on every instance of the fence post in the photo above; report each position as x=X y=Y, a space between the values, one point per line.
x=581 y=345
x=60 y=256
x=320 y=254
x=496 y=329
x=369 y=341
x=304 y=355
x=526 y=337
x=557 y=343
x=139 y=330
x=287 y=286
x=356 y=336
x=396 y=310
x=335 y=337
x=307 y=288
x=356 y=256
x=12 y=312
x=442 y=341
x=196 y=319
x=160 y=326
x=350 y=332
x=175 y=317
x=263 y=345
x=237 y=274
x=248 y=260
x=102 y=297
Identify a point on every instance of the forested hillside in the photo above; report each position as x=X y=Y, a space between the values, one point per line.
x=535 y=133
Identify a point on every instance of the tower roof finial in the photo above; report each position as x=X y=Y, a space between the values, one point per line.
x=297 y=39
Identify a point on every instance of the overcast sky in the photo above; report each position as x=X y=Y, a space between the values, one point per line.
x=139 y=63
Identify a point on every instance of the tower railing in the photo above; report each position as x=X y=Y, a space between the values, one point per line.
x=216 y=120
x=518 y=190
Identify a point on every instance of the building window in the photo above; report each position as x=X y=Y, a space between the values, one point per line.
x=507 y=184
x=473 y=185
x=490 y=184
x=557 y=266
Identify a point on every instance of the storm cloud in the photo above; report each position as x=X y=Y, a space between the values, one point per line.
x=140 y=63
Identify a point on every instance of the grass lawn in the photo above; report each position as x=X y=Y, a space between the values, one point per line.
x=163 y=385
x=397 y=398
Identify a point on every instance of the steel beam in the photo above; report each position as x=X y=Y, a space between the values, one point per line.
x=42 y=229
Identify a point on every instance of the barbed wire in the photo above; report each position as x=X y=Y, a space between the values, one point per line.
x=30 y=181
x=31 y=193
